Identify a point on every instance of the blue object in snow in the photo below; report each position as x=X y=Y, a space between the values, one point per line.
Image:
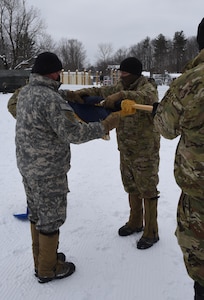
x=22 y=217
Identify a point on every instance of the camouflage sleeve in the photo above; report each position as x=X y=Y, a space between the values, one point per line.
x=94 y=91
x=167 y=118
x=103 y=91
x=70 y=96
x=12 y=103
x=146 y=94
x=69 y=128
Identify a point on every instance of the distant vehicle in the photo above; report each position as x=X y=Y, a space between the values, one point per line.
x=10 y=80
x=158 y=81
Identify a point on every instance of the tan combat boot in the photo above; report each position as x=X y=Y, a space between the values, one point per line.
x=49 y=267
x=150 y=235
x=135 y=222
x=35 y=247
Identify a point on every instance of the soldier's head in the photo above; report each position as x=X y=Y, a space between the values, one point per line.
x=47 y=64
x=130 y=70
x=131 y=65
x=200 y=35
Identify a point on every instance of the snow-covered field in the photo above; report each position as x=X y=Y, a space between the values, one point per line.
x=108 y=267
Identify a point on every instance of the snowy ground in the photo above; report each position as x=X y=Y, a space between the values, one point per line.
x=108 y=267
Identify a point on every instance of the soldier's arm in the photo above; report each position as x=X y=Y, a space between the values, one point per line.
x=12 y=103
x=167 y=117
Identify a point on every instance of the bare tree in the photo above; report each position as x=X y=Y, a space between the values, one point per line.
x=19 y=30
x=105 y=51
x=46 y=43
x=120 y=55
x=72 y=54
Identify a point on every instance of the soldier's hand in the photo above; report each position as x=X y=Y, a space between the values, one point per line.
x=127 y=108
x=74 y=97
x=83 y=93
x=111 y=122
x=112 y=101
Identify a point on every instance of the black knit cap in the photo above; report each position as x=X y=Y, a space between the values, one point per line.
x=200 y=35
x=46 y=63
x=131 y=65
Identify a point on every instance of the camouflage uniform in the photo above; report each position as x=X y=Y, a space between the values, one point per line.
x=181 y=113
x=45 y=127
x=13 y=102
x=138 y=143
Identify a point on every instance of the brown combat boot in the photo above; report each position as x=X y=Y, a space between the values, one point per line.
x=49 y=267
x=135 y=222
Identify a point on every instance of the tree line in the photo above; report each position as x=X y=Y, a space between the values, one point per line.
x=23 y=36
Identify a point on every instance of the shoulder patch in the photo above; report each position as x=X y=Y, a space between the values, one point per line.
x=66 y=106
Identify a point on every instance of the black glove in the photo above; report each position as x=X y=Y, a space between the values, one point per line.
x=154 y=110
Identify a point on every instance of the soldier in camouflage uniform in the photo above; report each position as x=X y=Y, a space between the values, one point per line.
x=45 y=127
x=138 y=143
x=181 y=113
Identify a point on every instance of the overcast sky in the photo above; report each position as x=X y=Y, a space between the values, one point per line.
x=122 y=23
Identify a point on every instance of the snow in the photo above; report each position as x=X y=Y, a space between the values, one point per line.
x=108 y=267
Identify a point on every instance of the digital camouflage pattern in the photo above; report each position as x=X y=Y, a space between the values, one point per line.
x=181 y=113
x=47 y=202
x=45 y=127
x=66 y=94
x=138 y=140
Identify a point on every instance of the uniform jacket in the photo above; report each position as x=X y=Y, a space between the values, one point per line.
x=138 y=140
x=136 y=134
x=181 y=113
x=45 y=127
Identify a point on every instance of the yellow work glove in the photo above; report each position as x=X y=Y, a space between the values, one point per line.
x=127 y=108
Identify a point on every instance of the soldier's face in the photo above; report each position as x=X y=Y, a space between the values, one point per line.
x=55 y=76
x=124 y=74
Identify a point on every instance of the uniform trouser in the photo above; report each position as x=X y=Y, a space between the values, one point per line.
x=150 y=215
x=47 y=202
x=190 y=235
x=140 y=180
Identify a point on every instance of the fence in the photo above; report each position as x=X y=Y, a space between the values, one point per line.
x=82 y=78
x=89 y=78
